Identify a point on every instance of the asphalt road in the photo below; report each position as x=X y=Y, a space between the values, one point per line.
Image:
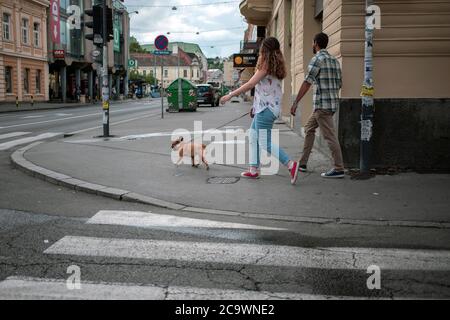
x=127 y=250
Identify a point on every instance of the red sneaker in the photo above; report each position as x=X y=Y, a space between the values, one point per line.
x=294 y=172
x=248 y=174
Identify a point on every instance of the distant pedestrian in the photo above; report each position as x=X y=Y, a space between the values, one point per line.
x=271 y=70
x=324 y=72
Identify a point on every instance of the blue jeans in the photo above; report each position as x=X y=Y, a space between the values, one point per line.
x=261 y=137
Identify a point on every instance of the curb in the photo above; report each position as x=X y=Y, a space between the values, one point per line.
x=18 y=161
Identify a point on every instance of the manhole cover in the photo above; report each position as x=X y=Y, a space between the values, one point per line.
x=222 y=180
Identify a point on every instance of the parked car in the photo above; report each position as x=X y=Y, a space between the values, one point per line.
x=207 y=95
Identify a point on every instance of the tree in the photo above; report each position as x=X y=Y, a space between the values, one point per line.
x=136 y=76
x=135 y=46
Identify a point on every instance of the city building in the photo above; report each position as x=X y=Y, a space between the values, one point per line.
x=23 y=50
x=183 y=65
x=190 y=49
x=214 y=75
x=411 y=52
x=229 y=74
x=71 y=61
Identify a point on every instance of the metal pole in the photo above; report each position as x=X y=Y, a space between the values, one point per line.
x=367 y=95
x=105 y=80
x=180 y=98
x=162 y=88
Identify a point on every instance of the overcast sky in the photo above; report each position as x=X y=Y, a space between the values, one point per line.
x=223 y=21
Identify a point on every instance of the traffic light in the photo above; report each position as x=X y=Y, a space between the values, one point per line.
x=95 y=24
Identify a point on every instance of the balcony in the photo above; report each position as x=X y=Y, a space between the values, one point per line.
x=257 y=12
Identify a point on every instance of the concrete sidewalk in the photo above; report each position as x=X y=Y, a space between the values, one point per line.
x=137 y=161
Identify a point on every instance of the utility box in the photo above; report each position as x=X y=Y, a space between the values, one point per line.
x=188 y=99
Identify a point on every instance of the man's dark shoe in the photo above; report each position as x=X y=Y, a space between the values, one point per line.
x=333 y=173
x=302 y=168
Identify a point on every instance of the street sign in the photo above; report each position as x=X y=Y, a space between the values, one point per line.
x=54 y=21
x=162 y=52
x=161 y=42
x=132 y=63
x=245 y=60
x=58 y=54
x=95 y=53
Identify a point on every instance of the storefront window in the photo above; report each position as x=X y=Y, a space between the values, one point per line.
x=26 y=81
x=38 y=81
x=8 y=79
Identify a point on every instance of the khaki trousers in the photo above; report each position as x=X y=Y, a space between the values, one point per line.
x=324 y=120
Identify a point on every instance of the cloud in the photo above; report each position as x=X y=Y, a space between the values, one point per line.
x=223 y=18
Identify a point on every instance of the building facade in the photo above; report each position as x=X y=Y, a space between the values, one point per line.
x=188 y=48
x=411 y=50
x=72 y=66
x=23 y=50
x=183 y=65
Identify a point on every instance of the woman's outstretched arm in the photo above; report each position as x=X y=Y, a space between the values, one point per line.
x=257 y=77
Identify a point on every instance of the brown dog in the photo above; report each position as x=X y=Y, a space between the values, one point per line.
x=190 y=149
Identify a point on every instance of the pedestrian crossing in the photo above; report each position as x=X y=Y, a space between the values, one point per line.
x=21 y=140
x=214 y=252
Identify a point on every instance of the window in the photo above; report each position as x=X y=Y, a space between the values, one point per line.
x=8 y=79
x=6 y=26
x=151 y=73
x=25 y=24
x=37 y=34
x=144 y=72
x=26 y=81
x=185 y=74
x=38 y=81
x=198 y=74
x=166 y=73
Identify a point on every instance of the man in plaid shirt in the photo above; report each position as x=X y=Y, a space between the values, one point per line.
x=324 y=72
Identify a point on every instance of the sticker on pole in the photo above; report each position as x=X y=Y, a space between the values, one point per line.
x=105 y=105
x=161 y=42
x=367 y=91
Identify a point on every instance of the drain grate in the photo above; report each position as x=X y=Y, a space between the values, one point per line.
x=222 y=180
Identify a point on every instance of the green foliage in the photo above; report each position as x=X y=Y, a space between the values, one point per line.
x=215 y=63
x=135 y=47
x=136 y=76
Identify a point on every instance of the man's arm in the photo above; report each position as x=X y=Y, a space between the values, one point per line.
x=313 y=72
x=301 y=93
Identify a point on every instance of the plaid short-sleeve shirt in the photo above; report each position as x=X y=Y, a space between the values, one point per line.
x=324 y=72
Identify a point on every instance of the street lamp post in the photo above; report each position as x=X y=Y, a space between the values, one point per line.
x=367 y=107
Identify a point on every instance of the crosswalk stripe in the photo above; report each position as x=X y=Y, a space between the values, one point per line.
x=13 y=143
x=12 y=135
x=23 y=288
x=253 y=254
x=148 y=219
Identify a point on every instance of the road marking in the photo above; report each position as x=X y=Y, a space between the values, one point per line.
x=32 y=117
x=12 y=135
x=111 y=124
x=63 y=114
x=150 y=220
x=26 y=288
x=253 y=254
x=13 y=143
x=161 y=134
x=69 y=118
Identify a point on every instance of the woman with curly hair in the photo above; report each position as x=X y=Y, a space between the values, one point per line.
x=271 y=70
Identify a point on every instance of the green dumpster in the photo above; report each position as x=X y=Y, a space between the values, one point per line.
x=188 y=99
